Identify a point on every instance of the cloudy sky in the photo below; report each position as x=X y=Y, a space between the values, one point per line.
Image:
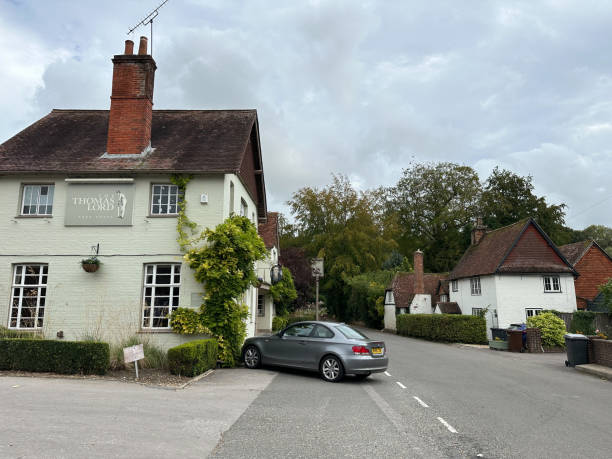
x=355 y=87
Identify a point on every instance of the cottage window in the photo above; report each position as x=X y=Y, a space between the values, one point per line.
x=28 y=296
x=261 y=308
x=475 y=285
x=478 y=312
x=244 y=208
x=530 y=312
x=455 y=285
x=165 y=199
x=443 y=298
x=37 y=200
x=552 y=284
x=162 y=283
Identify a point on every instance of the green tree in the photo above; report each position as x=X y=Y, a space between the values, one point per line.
x=508 y=197
x=283 y=293
x=366 y=298
x=339 y=224
x=434 y=204
x=226 y=266
x=602 y=234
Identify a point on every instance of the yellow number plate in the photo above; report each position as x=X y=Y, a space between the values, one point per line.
x=377 y=350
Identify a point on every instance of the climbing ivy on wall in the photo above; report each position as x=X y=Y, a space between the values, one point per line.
x=225 y=265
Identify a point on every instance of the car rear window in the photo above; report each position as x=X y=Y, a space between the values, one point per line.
x=350 y=333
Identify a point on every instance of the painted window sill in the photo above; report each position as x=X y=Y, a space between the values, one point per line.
x=163 y=216
x=33 y=216
x=154 y=331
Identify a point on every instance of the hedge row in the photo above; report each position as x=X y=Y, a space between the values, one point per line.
x=279 y=322
x=66 y=357
x=193 y=358
x=452 y=328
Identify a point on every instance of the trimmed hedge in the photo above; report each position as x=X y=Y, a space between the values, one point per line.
x=193 y=358
x=452 y=328
x=65 y=357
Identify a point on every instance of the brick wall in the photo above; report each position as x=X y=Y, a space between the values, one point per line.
x=595 y=269
x=600 y=352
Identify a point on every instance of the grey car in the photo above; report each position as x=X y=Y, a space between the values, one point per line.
x=332 y=349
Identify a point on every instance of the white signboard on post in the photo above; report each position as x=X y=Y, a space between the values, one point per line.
x=133 y=354
x=317 y=267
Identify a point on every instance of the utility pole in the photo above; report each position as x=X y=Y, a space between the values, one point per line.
x=317 y=297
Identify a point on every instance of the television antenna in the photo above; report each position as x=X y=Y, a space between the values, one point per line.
x=149 y=20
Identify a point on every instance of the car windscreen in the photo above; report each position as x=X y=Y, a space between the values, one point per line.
x=350 y=333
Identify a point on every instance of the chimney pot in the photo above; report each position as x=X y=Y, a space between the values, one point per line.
x=129 y=47
x=479 y=231
x=142 y=49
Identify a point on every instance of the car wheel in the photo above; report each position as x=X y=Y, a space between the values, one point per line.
x=331 y=369
x=362 y=376
x=252 y=357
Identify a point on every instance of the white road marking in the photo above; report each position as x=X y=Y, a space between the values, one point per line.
x=398 y=422
x=387 y=373
x=400 y=384
x=447 y=425
x=421 y=402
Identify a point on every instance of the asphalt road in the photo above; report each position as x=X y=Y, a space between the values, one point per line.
x=437 y=400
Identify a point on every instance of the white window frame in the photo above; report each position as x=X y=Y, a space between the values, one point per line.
x=172 y=193
x=477 y=312
x=261 y=306
x=455 y=285
x=244 y=208
x=549 y=284
x=531 y=312
x=148 y=310
x=35 y=199
x=444 y=298
x=475 y=288
x=17 y=294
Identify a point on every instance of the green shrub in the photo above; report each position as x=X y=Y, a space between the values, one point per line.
x=300 y=318
x=443 y=327
x=551 y=327
x=8 y=333
x=193 y=358
x=279 y=322
x=583 y=322
x=66 y=357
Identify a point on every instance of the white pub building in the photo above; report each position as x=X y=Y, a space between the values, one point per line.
x=83 y=182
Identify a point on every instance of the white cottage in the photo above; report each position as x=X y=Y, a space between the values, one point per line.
x=78 y=182
x=512 y=273
x=265 y=273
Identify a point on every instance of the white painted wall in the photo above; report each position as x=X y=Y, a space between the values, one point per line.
x=521 y=291
x=508 y=295
x=421 y=304
x=390 y=312
x=108 y=302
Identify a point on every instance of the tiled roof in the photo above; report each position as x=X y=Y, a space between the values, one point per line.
x=449 y=307
x=403 y=287
x=269 y=231
x=574 y=252
x=184 y=141
x=522 y=247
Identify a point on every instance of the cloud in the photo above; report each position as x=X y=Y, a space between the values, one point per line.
x=355 y=87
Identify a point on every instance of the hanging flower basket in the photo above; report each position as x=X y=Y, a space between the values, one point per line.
x=91 y=264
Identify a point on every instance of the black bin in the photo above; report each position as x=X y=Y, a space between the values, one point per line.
x=577 y=349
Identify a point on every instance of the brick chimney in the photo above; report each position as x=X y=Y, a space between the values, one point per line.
x=419 y=276
x=479 y=231
x=131 y=110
